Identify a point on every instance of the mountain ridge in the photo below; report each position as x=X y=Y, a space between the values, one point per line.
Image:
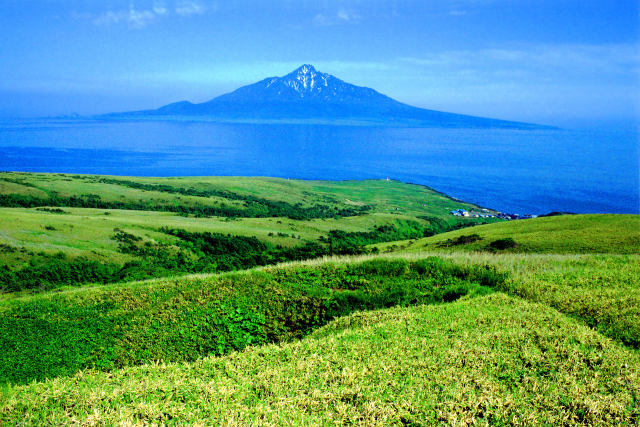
x=306 y=94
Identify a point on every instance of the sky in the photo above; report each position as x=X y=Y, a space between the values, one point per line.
x=545 y=61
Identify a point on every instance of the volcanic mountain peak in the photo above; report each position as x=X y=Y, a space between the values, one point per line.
x=307 y=94
x=306 y=79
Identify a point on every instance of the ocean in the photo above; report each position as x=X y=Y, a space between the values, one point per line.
x=516 y=171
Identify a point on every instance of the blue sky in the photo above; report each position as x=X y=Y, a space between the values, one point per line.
x=549 y=61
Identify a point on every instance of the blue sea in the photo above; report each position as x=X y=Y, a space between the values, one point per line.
x=517 y=171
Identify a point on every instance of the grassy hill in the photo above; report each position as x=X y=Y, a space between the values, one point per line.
x=542 y=327
x=244 y=197
x=567 y=234
x=487 y=360
x=109 y=327
x=58 y=229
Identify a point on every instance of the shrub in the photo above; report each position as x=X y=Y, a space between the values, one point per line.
x=461 y=240
x=58 y=334
x=502 y=244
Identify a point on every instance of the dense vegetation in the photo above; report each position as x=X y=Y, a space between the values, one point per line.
x=105 y=328
x=254 y=207
x=490 y=332
x=488 y=360
x=191 y=252
x=261 y=221
x=354 y=242
x=600 y=290
x=56 y=270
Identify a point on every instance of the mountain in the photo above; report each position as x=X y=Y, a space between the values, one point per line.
x=306 y=94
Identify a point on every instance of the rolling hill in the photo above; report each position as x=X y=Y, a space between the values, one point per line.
x=565 y=234
x=484 y=357
x=446 y=329
x=60 y=229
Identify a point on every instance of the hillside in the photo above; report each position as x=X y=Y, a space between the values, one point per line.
x=567 y=234
x=182 y=319
x=306 y=94
x=58 y=229
x=363 y=319
x=491 y=359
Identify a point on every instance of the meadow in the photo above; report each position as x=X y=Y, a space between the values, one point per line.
x=58 y=230
x=564 y=234
x=380 y=316
x=109 y=327
x=492 y=359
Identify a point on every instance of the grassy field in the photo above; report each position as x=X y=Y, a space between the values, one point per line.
x=601 y=290
x=487 y=360
x=89 y=232
x=117 y=325
x=567 y=234
x=69 y=223
x=109 y=327
x=383 y=196
x=524 y=322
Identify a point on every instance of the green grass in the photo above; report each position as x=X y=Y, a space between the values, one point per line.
x=568 y=234
x=488 y=360
x=601 y=290
x=34 y=236
x=384 y=196
x=542 y=327
x=85 y=230
x=108 y=327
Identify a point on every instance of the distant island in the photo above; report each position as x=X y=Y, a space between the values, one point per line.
x=307 y=95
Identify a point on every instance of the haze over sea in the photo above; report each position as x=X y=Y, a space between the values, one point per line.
x=518 y=171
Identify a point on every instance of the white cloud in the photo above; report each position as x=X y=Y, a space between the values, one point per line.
x=344 y=15
x=136 y=18
x=109 y=18
x=340 y=17
x=189 y=8
x=537 y=61
x=140 y=18
x=159 y=8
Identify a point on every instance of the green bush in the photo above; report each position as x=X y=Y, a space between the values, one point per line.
x=502 y=244
x=190 y=252
x=57 y=334
x=55 y=271
x=461 y=240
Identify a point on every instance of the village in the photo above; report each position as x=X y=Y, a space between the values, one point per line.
x=485 y=213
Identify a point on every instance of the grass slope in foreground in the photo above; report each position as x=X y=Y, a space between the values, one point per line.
x=602 y=290
x=567 y=234
x=493 y=359
x=109 y=327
